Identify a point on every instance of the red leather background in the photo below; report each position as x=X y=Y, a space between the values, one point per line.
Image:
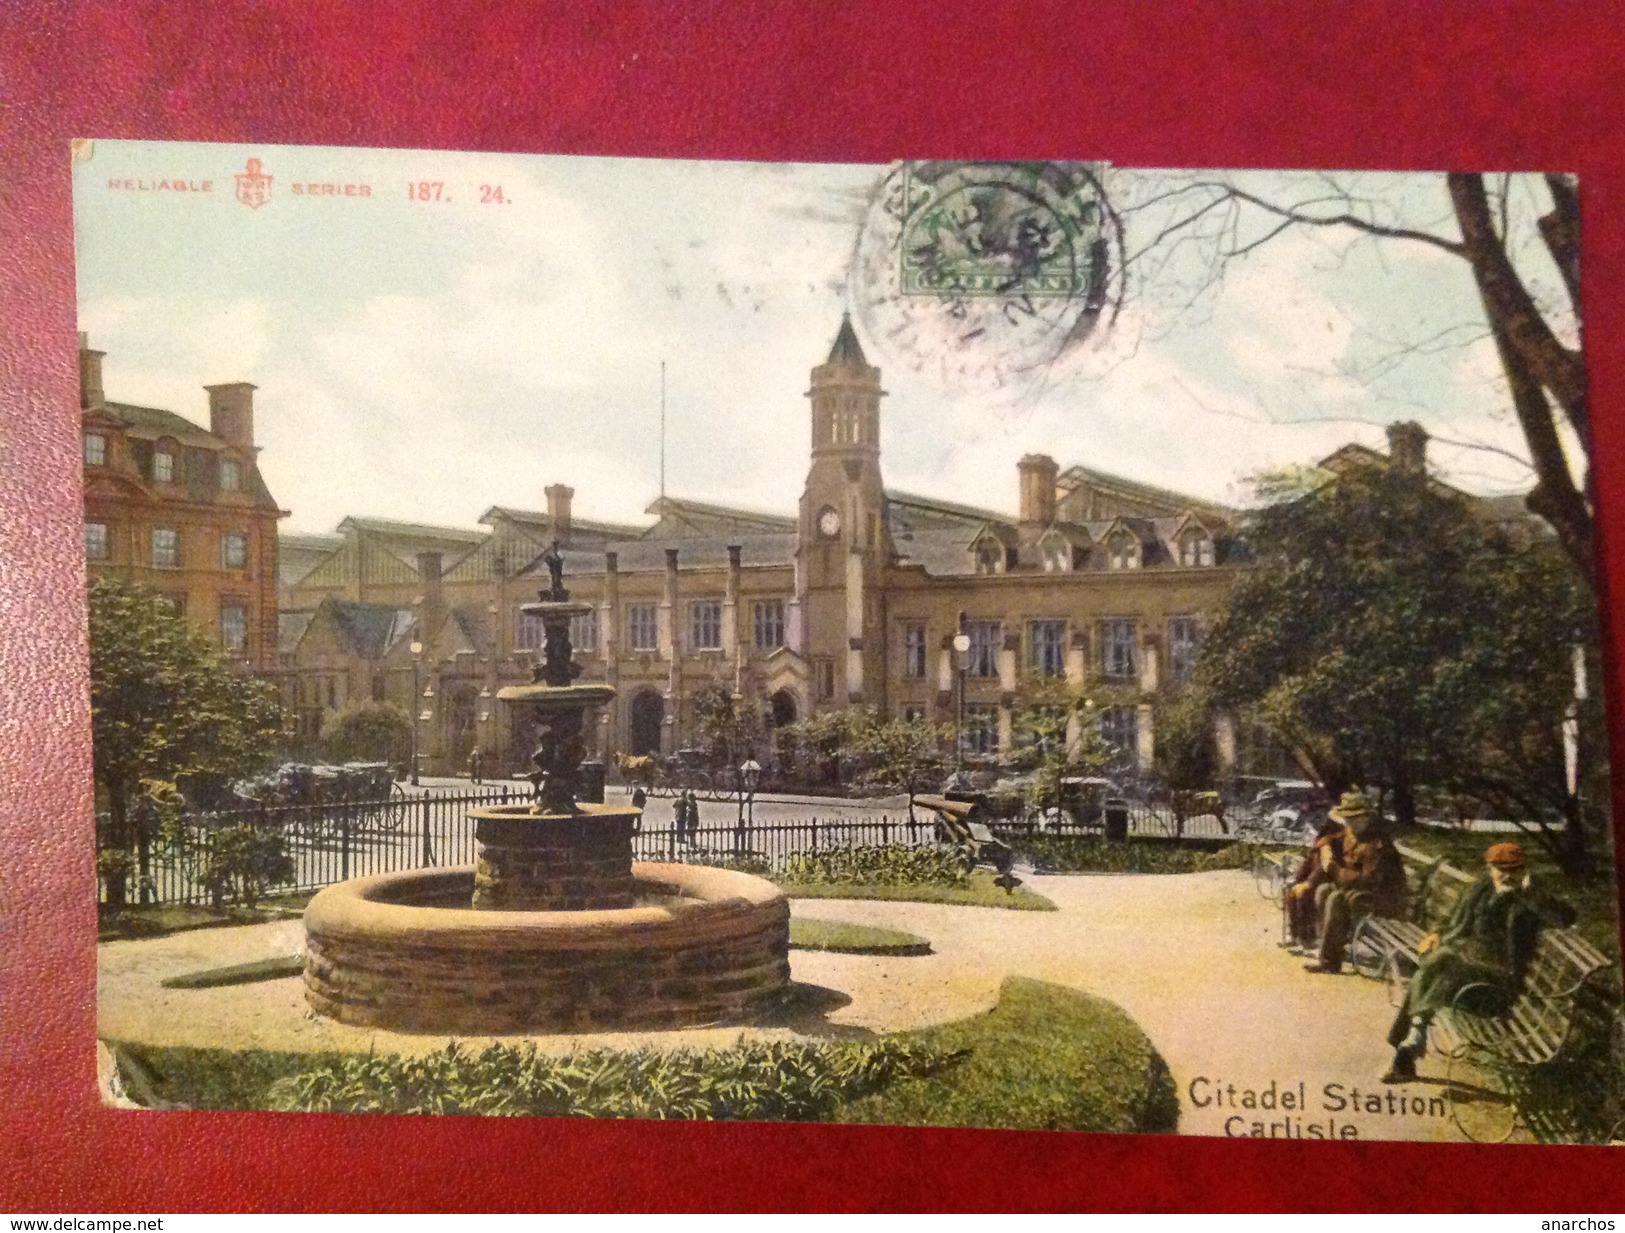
x=1404 y=84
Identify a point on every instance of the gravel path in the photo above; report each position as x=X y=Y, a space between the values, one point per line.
x=1193 y=958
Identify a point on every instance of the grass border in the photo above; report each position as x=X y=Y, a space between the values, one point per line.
x=846 y=938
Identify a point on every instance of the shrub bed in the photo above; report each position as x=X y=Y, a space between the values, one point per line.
x=878 y=865
x=979 y=891
x=1093 y=854
x=1046 y=1057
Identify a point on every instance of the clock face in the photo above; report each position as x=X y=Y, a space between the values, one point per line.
x=829 y=524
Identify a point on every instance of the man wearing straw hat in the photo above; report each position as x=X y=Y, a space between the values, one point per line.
x=1487 y=944
x=1366 y=876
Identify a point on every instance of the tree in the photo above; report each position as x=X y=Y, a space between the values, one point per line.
x=1186 y=754
x=1502 y=230
x=1057 y=737
x=165 y=705
x=823 y=741
x=370 y=732
x=1392 y=638
x=908 y=755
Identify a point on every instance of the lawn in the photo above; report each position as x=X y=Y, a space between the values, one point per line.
x=810 y=933
x=1045 y=1058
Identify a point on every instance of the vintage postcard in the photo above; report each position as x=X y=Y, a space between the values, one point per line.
x=1010 y=644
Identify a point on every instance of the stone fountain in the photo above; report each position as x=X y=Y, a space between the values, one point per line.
x=556 y=927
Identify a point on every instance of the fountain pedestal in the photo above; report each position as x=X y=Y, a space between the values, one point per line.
x=529 y=862
x=554 y=929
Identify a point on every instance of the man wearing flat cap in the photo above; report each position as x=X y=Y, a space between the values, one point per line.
x=1486 y=944
x=1363 y=876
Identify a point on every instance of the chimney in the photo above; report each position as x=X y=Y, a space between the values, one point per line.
x=90 y=375
x=433 y=612
x=558 y=509
x=1408 y=447
x=1037 y=474
x=231 y=414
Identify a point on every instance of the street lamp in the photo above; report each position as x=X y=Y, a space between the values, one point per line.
x=417 y=659
x=750 y=774
x=961 y=662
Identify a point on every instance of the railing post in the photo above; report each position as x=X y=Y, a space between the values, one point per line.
x=428 y=843
x=344 y=845
x=885 y=831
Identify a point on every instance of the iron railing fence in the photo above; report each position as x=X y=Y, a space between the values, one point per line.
x=771 y=846
x=335 y=842
x=326 y=843
x=1146 y=820
x=331 y=843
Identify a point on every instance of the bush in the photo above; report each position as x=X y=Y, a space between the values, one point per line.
x=1093 y=854
x=888 y=865
x=773 y=1080
x=244 y=861
x=1045 y=1058
x=372 y=732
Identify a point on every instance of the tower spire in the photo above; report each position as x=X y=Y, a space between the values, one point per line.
x=846 y=349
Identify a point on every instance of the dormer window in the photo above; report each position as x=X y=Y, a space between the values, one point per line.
x=1057 y=557
x=95 y=450
x=989 y=558
x=1123 y=552
x=1196 y=548
x=163 y=467
x=231 y=475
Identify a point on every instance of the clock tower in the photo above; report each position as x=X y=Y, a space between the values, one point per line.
x=843 y=543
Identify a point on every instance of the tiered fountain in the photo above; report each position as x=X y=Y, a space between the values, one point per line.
x=555 y=928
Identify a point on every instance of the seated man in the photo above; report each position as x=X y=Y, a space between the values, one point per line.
x=1322 y=854
x=1368 y=877
x=1487 y=942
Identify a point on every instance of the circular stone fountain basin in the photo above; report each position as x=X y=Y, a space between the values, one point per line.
x=401 y=951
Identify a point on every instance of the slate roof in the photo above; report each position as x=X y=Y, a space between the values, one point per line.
x=368 y=630
x=705 y=519
x=290 y=627
x=414 y=530
x=155 y=422
x=941 y=551
x=694 y=552
x=906 y=512
x=472 y=630
x=541 y=521
x=1149 y=494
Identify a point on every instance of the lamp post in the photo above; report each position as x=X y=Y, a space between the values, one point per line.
x=417 y=660
x=749 y=772
x=961 y=663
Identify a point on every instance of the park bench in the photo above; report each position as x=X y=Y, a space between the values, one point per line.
x=1495 y=1061
x=1384 y=947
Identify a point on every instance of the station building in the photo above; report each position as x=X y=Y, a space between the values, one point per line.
x=854 y=599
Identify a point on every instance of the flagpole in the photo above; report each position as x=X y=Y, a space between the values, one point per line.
x=662 y=432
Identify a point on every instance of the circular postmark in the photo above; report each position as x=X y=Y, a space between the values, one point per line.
x=986 y=272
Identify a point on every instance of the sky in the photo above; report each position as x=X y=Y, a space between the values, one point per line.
x=426 y=359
